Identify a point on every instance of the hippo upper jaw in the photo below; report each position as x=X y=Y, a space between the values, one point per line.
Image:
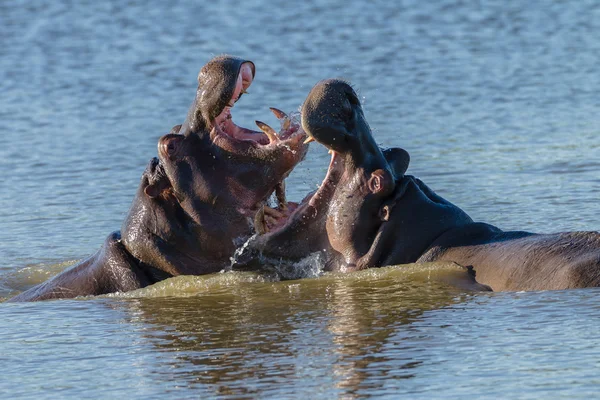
x=221 y=84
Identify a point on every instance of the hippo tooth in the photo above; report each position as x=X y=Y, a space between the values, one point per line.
x=259 y=221
x=309 y=139
x=270 y=132
x=278 y=113
x=286 y=122
x=244 y=91
x=280 y=194
x=273 y=214
x=330 y=151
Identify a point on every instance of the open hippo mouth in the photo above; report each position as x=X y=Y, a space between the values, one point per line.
x=221 y=84
x=223 y=173
x=332 y=116
x=260 y=144
x=241 y=141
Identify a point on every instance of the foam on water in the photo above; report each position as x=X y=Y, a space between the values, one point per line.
x=308 y=270
x=311 y=266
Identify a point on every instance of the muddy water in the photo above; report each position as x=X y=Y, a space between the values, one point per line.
x=496 y=102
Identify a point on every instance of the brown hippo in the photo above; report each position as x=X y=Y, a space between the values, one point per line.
x=368 y=213
x=197 y=201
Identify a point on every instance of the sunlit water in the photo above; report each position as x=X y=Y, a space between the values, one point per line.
x=497 y=103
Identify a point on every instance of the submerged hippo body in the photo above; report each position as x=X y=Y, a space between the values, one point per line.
x=368 y=213
x=503 y=260
x=196 y=202
x=113 y=268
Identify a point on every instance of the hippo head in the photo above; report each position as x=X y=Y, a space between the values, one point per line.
x=215 y=165
x=214 y=175
x=343 y=217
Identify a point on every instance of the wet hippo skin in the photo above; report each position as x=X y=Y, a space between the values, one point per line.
x=368 y=213
x=196 y=202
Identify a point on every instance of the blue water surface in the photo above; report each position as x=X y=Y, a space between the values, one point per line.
x=496 y=102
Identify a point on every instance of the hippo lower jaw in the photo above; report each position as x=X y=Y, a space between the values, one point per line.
x=287 y=144
x=308 y=220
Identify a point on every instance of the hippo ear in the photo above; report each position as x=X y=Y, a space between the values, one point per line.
x=381 y=182
x=398 y=159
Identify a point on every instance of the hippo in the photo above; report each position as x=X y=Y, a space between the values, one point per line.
x=369 y=213
x=196 y=202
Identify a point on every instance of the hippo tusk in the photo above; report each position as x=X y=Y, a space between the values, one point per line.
x=286 y=122
x=273 y=213
x=259 y=221
x=280 y=195
x=270 y=132
x=278 y=113
x=309 y=139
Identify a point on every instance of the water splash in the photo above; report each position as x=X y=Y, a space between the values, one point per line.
x=294 y=119
x=311 y=266
x=239 y=252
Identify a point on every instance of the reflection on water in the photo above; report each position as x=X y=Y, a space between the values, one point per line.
x=377 y=334
x=272 y=338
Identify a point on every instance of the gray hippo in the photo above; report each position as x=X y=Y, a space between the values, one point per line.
x=197 y=201
x=369 y=213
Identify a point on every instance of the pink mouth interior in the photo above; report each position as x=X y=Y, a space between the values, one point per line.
x=229 y=128
x=224 y=124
